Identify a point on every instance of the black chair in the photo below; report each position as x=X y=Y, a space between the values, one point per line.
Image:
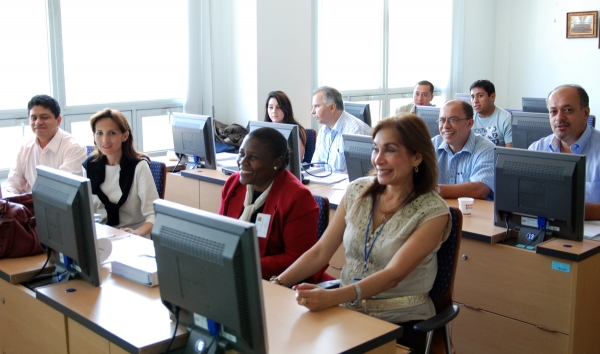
x=436 y=327
x=311 y=143
x=323 y=204
x=159 y=173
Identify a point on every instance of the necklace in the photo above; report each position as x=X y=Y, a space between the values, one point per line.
x=395 y=209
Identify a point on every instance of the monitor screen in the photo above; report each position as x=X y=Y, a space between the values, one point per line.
x=357 y=151
x=361 y=111
x=209 y=268
x=193 y=135
x=535 y=105
x=463 y=96
x=534 y=186
x=431 y=116
x=65 y=223
x=290 y=133
x=528 y=128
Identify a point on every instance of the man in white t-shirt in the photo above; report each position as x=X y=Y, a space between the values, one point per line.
x=492 y=122
x=52 y=147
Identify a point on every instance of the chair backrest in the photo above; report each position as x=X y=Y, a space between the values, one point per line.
x=592 y=121
x=323 y=204
x=311 y=143
x=447 y=258
x=90 y=149
x=159 y=173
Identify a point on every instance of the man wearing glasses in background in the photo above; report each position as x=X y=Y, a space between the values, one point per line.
x=422 y=96
x=465 y=159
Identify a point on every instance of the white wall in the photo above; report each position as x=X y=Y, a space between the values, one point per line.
x=285 y=54
x=531 y=54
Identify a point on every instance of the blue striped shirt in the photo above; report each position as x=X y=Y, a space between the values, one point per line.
x=589 y=145
x=330 y=146
x=474 y=163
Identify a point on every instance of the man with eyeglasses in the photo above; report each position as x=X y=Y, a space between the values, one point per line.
x=51 y=146
x=465 y=159
x=422 y=96
x=569 y=112
x=492 y=122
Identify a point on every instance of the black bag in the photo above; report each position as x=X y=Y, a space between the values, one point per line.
x=18 y=233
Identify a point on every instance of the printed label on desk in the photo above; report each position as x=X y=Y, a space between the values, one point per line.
x=563 y=267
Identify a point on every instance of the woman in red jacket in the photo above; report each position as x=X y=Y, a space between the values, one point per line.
x=264 y=192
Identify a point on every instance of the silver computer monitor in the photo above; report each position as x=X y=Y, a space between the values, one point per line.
x=193 y=136
x=209 y=274
x=361 y=111
x=534 y=105
x=290 y=133
x=357 y=151
x=431 y=116
x=528 y=128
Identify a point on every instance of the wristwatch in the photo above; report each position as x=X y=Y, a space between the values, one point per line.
x=275 y=279
x=358 y=295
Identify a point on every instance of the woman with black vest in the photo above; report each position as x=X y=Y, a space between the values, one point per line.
x=122 y=184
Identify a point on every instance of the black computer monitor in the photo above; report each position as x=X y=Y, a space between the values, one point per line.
x=209 y=269
x=431 y=116
x=528 y=128
x=535 y=105
x=193 y=135
x=290 y=133
x=65 y=224
x=531 y=186
x=357 y=151
x=361 y=111
x=463 y=97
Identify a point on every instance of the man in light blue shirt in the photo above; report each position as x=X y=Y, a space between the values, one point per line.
x=569 y=112
x=328 y=110
x=465 y=159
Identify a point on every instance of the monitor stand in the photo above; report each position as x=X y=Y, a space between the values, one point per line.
x=200 y=341
x=529 y=237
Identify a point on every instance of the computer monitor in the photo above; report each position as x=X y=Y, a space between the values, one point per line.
x=357 y=151
x=535 y=190
x=290 y=133
x=535 y=105
x=209 y=272
x=528 y=128
x=431 y=116
x=463 y=96
x=193 y=135
x=361 y=111
x=65 y=224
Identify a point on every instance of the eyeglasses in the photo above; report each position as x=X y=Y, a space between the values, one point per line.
x=452 y=120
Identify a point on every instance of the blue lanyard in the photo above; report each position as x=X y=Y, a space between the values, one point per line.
x=366 y=254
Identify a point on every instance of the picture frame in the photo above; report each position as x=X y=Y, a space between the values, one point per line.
x=582 y=24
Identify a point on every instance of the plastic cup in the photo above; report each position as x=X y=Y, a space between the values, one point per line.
x=465 y=205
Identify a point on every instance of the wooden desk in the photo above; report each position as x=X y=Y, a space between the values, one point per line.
x=171 y=164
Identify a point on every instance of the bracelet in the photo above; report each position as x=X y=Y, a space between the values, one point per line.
x=275 y=279
x=358 y=295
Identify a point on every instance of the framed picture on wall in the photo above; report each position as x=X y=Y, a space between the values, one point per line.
x=582 y=24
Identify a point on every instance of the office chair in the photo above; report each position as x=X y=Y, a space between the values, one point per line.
x=159 y=173
x=592 y=121
x=311 y=142
x=436 y=327
x=323 y=204
x=90 y=149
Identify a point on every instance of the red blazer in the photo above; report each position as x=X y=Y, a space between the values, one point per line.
x=294 y=219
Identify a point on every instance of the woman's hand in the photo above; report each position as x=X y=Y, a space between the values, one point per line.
x=314 y=297
x=129 y=230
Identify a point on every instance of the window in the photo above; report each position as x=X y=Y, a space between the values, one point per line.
x=376 y=51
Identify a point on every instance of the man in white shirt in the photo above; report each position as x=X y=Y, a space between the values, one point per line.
x=490 y=121
x=52 y=147
x=422 y=96
x=328 y=110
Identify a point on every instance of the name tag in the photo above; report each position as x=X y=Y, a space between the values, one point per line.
x=263 y=221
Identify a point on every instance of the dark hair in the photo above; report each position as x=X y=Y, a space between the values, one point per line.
x=331 y=95
x=466 y=106
x=275 y=143
x=412 y=133
x=286 y=106
x=425 y=82
x=584 y=99
x=129 y=152
x=484 y=84
x=46 y=102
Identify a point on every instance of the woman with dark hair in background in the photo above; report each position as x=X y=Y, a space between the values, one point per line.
x=391 y=225
x=266 y=193
x=122 y=184
x=278 y=109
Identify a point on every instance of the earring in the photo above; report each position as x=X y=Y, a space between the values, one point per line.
x=416 y=169
x=275 y=167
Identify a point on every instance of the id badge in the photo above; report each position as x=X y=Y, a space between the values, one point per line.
x=262 y=224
